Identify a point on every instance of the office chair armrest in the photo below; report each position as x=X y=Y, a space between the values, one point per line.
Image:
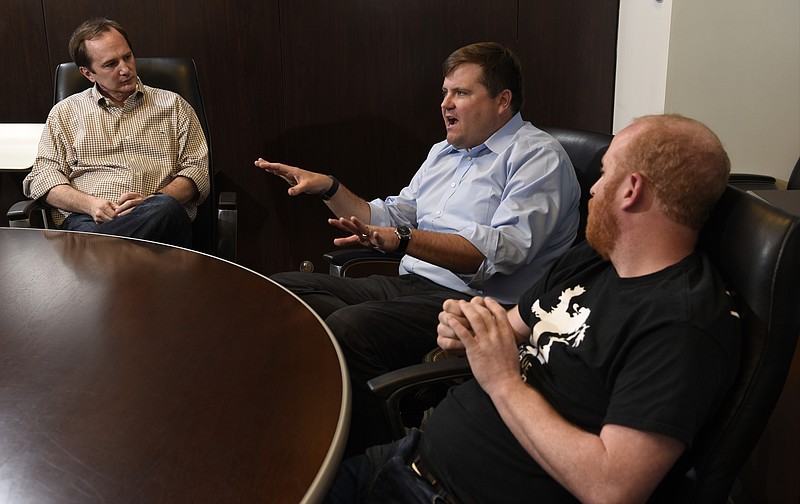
x=227 y=215
x=341 y=260
x=227 y=201
x=393 y=386
x=28 y=213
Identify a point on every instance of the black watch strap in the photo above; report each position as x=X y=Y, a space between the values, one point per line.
x=404 y=233
x=330 y=192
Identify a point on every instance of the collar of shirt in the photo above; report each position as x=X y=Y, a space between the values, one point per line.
x=132 y=99
x=496 y=143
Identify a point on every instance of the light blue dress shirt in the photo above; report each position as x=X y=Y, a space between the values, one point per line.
x=514 y=197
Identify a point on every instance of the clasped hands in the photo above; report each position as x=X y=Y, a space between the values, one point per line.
x=480 y=328
x=103 y=210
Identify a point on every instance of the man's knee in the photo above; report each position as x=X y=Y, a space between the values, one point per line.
x=159 y=218
x=289 y=278
x=79 y=222
x=163 y=207
x=368 y=337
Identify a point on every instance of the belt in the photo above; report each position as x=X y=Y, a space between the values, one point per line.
x=419 y=467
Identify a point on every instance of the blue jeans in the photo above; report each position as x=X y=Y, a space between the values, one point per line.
x=159 y=218
x=383 y=475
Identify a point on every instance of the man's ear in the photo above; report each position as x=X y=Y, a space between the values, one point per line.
x=87 y=73
x=504 y=99
x=635 y=191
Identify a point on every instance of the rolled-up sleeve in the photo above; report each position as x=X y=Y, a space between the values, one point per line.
x=193 y=153
x=400 y=210
x=51 y=167
x=534 y=210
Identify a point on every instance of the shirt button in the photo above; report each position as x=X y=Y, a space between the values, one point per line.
x=438 y=212
x=453 y=184
x=469 y=158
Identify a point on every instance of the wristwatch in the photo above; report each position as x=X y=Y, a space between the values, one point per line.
x=404 y=233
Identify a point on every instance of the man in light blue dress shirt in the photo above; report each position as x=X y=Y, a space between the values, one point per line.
x=488 y=211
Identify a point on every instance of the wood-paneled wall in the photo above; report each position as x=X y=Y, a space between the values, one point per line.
x=350 y=87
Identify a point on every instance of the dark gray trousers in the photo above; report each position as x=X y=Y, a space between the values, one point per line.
x=382 y=324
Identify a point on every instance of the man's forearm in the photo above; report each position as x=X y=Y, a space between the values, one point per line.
x=619 y=465
x=182 y=189
x=347 y=204
x=450 y=251
x=69 y=199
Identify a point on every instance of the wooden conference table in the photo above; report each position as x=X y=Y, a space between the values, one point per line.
x=138 y=372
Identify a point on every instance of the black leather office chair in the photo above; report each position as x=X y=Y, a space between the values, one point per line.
x=794 y=178
x=214 y=228
x=584 y=148
x=757 y=249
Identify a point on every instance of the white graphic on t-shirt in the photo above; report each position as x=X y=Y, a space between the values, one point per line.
x=561 y=324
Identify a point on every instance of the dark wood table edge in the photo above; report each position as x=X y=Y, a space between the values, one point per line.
x=327 y=472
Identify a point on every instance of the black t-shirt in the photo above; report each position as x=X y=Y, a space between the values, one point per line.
x=654 y=353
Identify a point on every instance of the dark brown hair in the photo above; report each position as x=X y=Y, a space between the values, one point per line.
x=87 y=31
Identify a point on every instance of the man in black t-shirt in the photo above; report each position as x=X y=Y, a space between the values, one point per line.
x=597 y=382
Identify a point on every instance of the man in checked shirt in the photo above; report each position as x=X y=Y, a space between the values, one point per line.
x=120 y=158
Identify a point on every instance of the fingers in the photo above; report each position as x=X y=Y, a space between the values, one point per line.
x=345 y=225
x=453 y=331
x=444 y=331
x=361 y=233
x=476 y=314
x=450 y=344
x=496 y=308
x=266 y=165
x=450 y=316
x=104 y=211
x=486 y=318
x=275 y=169
x=130 y=196
x=286 y=172
x=347 y=241
x=451 y=306
x=127 y=202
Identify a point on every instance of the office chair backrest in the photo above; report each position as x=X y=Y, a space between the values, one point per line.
x=174 y=74
x=794 y=177
x=585 y=149
x=757 y=249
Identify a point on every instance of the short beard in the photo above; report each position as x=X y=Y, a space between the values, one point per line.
x=602 y=227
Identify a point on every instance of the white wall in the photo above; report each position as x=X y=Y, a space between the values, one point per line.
x=642 y=52
x=734 y=65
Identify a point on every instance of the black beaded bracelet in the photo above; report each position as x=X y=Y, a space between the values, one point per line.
x=330 y=192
